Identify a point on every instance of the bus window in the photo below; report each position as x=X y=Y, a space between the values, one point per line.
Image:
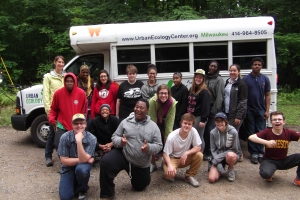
x=244 y=52
x=138 y=56
x=172 y=58
x=95 y=63
x=204 y=53
x=203 y=64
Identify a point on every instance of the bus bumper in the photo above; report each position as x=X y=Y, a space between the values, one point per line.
x=18 y=122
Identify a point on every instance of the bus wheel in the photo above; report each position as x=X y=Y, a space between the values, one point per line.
x=40 y=130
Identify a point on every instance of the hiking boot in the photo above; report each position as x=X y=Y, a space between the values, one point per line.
x=153 y=167
x=49 y=162
x=297 y=182
x=82 y=196
x=231 y=175
x=192 y=181
x=254 y=159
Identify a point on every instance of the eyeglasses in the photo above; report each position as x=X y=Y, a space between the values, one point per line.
x=163 y=93
x=274 y=120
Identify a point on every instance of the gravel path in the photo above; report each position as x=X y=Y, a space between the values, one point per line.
x=24 y=176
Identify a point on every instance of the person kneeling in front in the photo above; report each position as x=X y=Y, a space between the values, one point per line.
x=179 y=154
x=136 y=139
x=76 y=150
x=276 y=141
x=225 y=149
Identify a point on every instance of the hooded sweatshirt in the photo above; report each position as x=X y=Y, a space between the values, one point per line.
x=222 y=143
x=52 y=82
x=215 y=84
x=136 y=133
x=104 y=96
x=149 y=91
x=65 y=104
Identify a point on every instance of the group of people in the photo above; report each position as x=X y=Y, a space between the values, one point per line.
x=132 y=125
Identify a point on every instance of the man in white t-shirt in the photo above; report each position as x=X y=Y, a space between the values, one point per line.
x=182 y=149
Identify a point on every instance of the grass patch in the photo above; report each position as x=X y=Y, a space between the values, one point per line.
x=291 y=113
x=5 y=114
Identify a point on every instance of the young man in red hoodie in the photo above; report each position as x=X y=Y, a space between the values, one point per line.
x=66 y=102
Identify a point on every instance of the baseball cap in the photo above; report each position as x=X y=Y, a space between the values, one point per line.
x=221 y=115
x=78 y=116
x=200 y=71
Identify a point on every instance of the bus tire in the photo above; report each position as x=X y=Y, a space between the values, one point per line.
x=39 y=130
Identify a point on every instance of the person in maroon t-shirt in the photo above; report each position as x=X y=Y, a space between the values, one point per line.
x=276 y=141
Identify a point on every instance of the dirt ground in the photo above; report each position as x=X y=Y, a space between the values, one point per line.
x=24 y=176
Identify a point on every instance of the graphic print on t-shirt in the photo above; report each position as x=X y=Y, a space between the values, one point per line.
x=103 y=93
x=191 y=103
x=281 y=144
x=133 y=93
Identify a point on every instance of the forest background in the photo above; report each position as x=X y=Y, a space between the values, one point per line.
x=32 y=32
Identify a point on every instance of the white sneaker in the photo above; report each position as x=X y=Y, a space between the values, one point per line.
x=231 y=175
x=192 y=181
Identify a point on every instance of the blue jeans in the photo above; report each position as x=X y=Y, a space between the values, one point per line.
x=255 y=122
x=73 y=180
x=50 y=143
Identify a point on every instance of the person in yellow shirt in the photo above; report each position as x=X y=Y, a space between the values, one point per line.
x=52 y=81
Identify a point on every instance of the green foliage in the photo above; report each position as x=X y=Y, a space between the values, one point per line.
x=5 y=113
x=288 y=97
x=4 y=100
x=288 y=101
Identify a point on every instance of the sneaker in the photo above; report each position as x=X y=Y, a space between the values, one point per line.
x=82 y=196
x=153 y=167
x=231 y=175
x=207 y=157
x=297 y=182
x=254 y=159
x=241 y=158
x=192 y=181
x=49 y=162
x=171 y=180
x=260 y=158
x=270 y=179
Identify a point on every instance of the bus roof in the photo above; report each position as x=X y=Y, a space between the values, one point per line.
x=93 y=38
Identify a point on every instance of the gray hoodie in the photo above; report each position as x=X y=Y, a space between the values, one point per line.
x=136 y=133
x=149 y=91
x=215 y=84
x=222 y=143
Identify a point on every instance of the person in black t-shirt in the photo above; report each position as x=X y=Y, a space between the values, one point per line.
x=128 y=94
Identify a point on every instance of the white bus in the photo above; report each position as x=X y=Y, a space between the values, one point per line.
x=172 y=46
